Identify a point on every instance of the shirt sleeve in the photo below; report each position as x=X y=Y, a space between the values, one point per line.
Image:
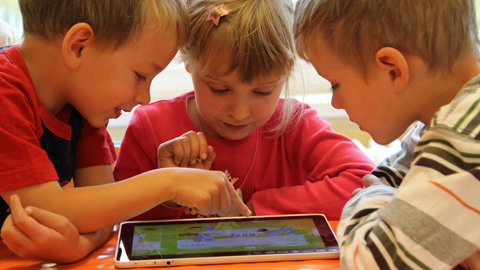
x=95 y=147
x=429 y=222
x=330 y=166
x=23 y=161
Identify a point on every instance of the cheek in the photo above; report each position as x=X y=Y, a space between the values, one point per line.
x=264 y=109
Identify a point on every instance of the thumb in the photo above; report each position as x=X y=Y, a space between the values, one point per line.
x=51 y=220
x=207 y=163
x=371 y=180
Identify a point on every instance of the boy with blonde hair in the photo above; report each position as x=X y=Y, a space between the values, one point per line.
x=85 y=62
x=392 y=63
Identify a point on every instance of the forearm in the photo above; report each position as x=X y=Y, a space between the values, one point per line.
x=327 y=196
x=106 y=205
x=97 y=207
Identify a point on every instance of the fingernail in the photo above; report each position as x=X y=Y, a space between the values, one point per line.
x=204 y=156
x=29 y=211
x=193 y=161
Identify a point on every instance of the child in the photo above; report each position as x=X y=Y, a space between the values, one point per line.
x=392 y=63
x=74 y=71
x=279 y=155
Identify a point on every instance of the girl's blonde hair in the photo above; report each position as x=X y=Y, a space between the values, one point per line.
x=114 y=22
x=439 y=32
x=255 y=40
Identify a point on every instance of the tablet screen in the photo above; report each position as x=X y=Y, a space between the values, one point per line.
x=226 y=237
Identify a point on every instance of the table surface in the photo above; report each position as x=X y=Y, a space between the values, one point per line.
x=102 y=258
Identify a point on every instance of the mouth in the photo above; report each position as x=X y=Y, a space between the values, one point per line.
x=118 y=112
x=236 y=127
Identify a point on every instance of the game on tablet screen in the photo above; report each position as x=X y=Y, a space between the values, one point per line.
x=257 y=237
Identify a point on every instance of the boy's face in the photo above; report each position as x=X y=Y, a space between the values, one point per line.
x=109 y=82
x=369 y=102
x=231 y=109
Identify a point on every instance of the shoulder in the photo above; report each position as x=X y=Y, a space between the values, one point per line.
x=462 y=115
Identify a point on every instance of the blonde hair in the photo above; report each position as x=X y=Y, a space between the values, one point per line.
x=255 y=40
x=115 y=22
x=439 y=32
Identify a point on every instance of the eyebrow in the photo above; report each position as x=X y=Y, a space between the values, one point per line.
x=157 y=67
x=267 y=83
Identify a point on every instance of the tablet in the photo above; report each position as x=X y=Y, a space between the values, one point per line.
x=224 y=240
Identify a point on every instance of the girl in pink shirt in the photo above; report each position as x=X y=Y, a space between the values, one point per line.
x=279 y=155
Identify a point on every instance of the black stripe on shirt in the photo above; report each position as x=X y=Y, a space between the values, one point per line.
x=377 y=255
x=434 y=165
x=475 y=172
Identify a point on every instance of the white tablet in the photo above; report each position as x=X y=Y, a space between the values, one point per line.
x=224 y=240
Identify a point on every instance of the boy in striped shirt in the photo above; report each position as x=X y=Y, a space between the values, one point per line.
x=392 y=63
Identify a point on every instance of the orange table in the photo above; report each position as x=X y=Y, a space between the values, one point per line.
x=102 y=258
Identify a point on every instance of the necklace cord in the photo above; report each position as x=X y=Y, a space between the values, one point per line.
x=254 y=155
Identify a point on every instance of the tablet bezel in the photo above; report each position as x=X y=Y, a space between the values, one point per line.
x=126 y=228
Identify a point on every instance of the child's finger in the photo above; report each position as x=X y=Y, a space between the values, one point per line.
x=192 y=147
x=207 y=163
x=237 y=201
x=53 y=221
x=371 y=180
x=13 y=236
x=203 y=146
x=186 y=151
x=24 y=221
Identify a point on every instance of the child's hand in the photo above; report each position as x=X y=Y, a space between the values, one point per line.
x=209 y=192
x=189 y=150
x=38 y=234
x=368 y=181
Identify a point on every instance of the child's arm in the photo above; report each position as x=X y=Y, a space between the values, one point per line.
x=38 y=234
x=96 y=207
x=430 y=222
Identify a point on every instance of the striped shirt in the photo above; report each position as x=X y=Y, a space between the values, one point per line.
x=432 y=221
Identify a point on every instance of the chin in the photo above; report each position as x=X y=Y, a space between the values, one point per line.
x=383 y=140
x=234 y=137
x=98 y=123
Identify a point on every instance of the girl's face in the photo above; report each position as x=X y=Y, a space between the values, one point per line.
x=230 y=109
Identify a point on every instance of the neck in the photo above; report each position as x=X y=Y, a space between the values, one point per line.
x=44 y=63
x=441 y=88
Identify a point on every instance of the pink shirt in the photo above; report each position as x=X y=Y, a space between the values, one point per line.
x=308 y=169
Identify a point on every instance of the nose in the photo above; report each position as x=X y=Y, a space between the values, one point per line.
x=142 y=96
x=336 y=101
x=239 y=109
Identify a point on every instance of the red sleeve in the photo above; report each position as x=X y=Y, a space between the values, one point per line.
x=95 y=147
x=23 y=161
x=333 y=165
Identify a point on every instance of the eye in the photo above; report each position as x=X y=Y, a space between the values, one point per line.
x=140 y=77
x=218 y=91
x=334 y=87
x=263 y=93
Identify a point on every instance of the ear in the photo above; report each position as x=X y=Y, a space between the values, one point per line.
x=187 y=65
x=75 y=41
x=395 y=66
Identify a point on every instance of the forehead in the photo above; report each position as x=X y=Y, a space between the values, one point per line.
x=218 y=67
x=323 y=58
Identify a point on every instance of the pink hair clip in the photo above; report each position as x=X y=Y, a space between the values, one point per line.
x=218 y=10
